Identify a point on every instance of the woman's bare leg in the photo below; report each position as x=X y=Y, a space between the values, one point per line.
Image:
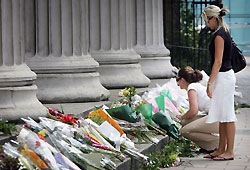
x=230 y=135
x=222 y=141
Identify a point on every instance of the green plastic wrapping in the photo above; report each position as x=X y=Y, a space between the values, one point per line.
x=160 y=102
x=146 y=111
x=167 y=124
x=124 y=113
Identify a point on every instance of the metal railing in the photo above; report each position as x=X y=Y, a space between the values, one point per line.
x=184 y=34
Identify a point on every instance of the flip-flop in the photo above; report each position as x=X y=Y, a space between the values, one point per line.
x=209 y=156
x=219 y=158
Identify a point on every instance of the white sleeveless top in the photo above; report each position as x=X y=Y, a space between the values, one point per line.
x=203 y=99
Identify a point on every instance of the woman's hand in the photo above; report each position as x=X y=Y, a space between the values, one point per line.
x=209 y=90
x=180 y=131
x=178 y=116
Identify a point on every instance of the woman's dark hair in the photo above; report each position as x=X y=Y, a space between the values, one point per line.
x=190 y=75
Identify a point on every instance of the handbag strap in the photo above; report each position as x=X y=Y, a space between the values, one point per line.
x=233 y=42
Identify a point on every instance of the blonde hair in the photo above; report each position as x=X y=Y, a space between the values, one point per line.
x=215 y=11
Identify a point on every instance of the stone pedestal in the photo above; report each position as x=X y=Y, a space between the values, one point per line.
x=111 y=45
x=147 y=26
x=17 y=90
x=58 y=51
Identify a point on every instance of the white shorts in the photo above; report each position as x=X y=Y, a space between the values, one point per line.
x=222 y=102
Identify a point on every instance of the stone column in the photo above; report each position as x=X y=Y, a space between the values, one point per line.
x=111 y=45
x=148 y=38
x=17 y=90
x=57 y=50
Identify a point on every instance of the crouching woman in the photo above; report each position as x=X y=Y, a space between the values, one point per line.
x=194 y=126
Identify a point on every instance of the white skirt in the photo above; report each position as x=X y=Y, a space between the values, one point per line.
x=222 y=102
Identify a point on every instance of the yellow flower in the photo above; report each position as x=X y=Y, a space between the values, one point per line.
x=42 y=133
x=125 y=92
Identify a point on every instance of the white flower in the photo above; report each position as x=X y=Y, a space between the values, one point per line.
x=120 y=94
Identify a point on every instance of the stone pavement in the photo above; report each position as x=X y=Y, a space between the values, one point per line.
x=242 y=150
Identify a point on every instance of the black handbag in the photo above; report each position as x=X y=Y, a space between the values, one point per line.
x=238 y=60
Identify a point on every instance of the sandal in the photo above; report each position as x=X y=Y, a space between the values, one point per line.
x=220 y=158
x=210 y=156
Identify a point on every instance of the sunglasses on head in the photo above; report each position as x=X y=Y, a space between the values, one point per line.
x=177 y=78
x=209 y=18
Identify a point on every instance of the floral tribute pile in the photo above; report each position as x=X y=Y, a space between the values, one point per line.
x=108 y=134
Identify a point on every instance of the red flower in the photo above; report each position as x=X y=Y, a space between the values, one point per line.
x=125 y=102
x=68 y=119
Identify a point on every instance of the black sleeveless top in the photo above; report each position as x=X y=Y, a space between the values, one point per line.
x=226 y=59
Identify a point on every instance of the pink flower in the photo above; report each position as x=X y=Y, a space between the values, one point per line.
x=41 y=137
x=38 y=143
x=26 y=125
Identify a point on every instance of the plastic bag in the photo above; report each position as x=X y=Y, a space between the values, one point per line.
x=204 y=78
x=167 y=94
x=171 y=107
x=160 y=102
x=157 y=104
x=173 y=88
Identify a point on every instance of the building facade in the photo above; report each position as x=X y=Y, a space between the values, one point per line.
x=75 y=50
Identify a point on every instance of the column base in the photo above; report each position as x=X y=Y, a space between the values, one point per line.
x=122 y=75
x=18 y=102
x=66 y=88
x=62 y=64
x=157 y=67
x=116 y=56
x=16 y=76
x=152 y=51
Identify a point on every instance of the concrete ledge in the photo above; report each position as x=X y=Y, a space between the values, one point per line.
x=133 y=164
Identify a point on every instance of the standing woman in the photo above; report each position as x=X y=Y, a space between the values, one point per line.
x=221 y=84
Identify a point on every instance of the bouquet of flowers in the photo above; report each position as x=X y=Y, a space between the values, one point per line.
x=124 y=109
x=127 y=94
x=101 y=114
x=73 y=153
x=166 y=123
x=138 y=131
x=146 y=111
x=70 y=141
x=57 y=115
x=124 y=112
x=29 y=141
